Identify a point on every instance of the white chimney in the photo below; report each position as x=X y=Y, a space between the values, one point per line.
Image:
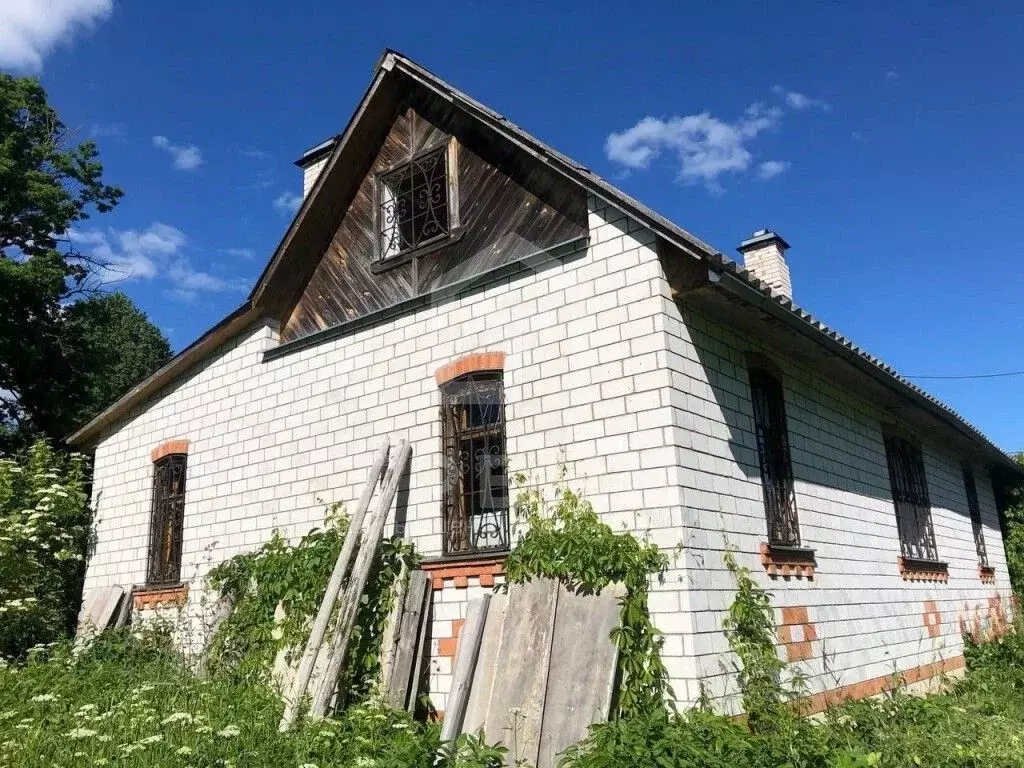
x=764 y=256
x=312 y=162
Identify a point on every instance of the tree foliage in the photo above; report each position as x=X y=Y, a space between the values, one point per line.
x=1013 y=533
x=61 y=361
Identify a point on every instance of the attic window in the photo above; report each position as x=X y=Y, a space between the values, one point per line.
x=412 y=204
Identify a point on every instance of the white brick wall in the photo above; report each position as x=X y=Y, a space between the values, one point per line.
x=649 y=406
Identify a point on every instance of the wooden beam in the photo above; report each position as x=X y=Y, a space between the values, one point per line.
x=465 y=665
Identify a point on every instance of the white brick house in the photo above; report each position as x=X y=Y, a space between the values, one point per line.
x=608 y=338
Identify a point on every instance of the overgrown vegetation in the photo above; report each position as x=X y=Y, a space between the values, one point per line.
x=1013 y=532
x=294 y=577
x=44 y=527
x=566 y=540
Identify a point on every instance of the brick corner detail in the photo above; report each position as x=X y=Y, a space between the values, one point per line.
x=932 y=618
x=167 y=448
x=156 y=597
x=914 y=571
x=478 y=361
x=458 y=573
x=987 y=574
x=797 y=633
x=779 y=565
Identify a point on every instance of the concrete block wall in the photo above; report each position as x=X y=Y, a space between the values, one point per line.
x=586 y=382
x=857 y=620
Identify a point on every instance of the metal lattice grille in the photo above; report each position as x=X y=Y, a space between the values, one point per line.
x=910 y=498
x=975 y=509
x=475 y=482
x=773 y=454
x=168 y=516
x=413 y=204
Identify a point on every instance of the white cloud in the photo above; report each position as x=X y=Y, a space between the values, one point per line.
x=31 y=29
x=769 y=169
x=255 y=154
x=800 y=101
x=187 y=157
x=242 y=253
x=155 y=253
x=705 y=146
x=287 y=203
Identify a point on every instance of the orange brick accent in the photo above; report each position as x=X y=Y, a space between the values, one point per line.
x=913 y=573
x=447 y=646
x=775 y=566
x=459 y=573
x=932 y=618
x=797 y=633
x=478 y=361
x=987 y=574
x=167 y=448
x=819 y=702
x=154 y=597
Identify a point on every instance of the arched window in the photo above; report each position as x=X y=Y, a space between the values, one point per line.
x=475 y=502
x=167 y=519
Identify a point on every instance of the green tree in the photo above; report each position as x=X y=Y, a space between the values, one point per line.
x=1013 y=531
x=61 y=360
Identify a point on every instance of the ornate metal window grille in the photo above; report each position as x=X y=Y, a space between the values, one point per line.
x=976 y=524
x=474 y=473
x=168 y=517
x=773 y=454
x=910 y=498
x=413 y=204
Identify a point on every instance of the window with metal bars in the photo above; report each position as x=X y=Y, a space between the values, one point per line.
x=167 y=519
x=773 y=455
x=975 y=510
x=474 y=473
x=412 y=204
x=910 y=498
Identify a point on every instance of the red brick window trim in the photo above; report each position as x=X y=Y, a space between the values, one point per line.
x=912 y=569
x=167 y=448
x=987 y=574
x=474 y=363
x=155 y=597
x=457 y=573
x=788 y=562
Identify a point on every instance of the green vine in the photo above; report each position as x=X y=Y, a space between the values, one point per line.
x=566 y=540
x=295 y=577
x=750 y=629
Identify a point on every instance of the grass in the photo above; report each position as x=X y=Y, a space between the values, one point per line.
x=131 y=702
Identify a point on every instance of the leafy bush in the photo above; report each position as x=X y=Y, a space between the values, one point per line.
x=566 y=540
x=44 y=527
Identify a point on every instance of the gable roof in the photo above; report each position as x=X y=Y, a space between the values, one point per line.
x=322 y=204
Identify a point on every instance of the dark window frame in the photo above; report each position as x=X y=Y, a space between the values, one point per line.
x=167 y=520
x=417 y=174
x=908 y=484
x=977 y=525
x=475 y=497
x=771 y=434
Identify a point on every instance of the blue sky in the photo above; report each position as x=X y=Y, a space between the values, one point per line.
x=881 y=139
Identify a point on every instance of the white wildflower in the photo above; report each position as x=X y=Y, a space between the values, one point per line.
x=309 y=765
x=229 y=731
x=100 y=761
x=81 y=733
x=155 y=738
x=177 y=717
x=104 y=737
x=183 y=751
x=45 y=697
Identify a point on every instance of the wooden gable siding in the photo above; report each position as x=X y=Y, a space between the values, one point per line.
x=509 y=207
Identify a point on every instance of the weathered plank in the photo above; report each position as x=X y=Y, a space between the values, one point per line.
x=582 y=669
x=420 y=651
x=407 y=640
x=349 y=606
x=520 y=683
x=297 y=689
x=483 y=675
x=98 y=608
x=466 y=657
x=393 y=629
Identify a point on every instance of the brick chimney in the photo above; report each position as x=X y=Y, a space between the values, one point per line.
x=312 y=162
x=764 y=256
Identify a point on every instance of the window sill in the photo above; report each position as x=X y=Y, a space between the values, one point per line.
x=156 y=596
x=915 y=569
x=788 y=562
x=987 y=574
x=457 y=570
x=405 y=257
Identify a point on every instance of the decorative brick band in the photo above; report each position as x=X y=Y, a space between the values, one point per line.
x=460 y=572
x=932 y=618
x=987 y=574
x=922 y=570
x=819 y=702
x=787 y=563
x=167 y=448
x=797 y=633
x=478 y=361
x=155 y=597
x=446 y=646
